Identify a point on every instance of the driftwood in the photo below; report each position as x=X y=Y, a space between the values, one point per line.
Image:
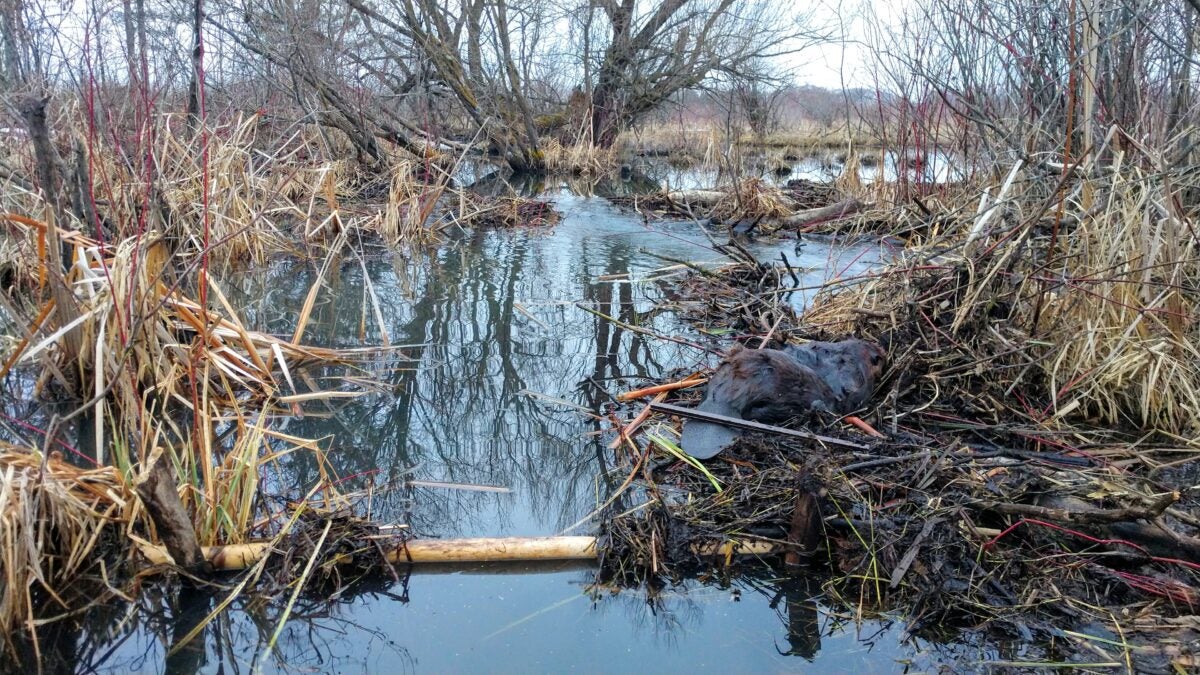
x=157 y=491
x=1077 y=511
x=697 y=197
x=749 y=425
x=1158 y=539
x=798 y=220
x=808 y=217
x=710 y=198
x=805 y=528
x=1139 y=525
x=480 y=550
x=911 y=554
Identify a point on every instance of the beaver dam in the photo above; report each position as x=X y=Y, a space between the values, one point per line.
x=501 y=336
x=483 y=410
x=989 y=497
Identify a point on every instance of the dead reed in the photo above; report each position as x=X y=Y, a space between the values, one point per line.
x=507 y=212
x=1083 y=317
x=1038 y=415
x=579 y=159
x=142 y=334
x=58 y=522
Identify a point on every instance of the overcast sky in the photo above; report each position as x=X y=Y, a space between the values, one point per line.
x=828 y=65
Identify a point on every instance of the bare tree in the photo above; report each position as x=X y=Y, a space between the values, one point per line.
x=758 y=94
x=653 y=52
x=378 y=69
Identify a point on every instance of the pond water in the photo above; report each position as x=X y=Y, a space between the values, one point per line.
x=503 y=367
x=778 y=167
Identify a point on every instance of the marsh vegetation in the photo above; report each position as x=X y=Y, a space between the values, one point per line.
x=291 y=290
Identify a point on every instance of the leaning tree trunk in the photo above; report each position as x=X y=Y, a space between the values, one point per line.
x=605 y=116
x=608 y=104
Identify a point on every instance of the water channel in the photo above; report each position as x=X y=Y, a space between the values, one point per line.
x=500 y=368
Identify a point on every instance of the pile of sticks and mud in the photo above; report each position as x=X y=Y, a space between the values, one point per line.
x=1025 y=467
x=754 y=204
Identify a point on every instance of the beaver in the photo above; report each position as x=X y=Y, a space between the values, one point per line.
x=773 y=386
x=850 y=368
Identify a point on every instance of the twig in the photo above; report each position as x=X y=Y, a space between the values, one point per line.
x=637 y=421
x=750 y=425
x=689 y=381
x=871 y=464
x=1088 y=516
x=861 y=424
x=644 y=331
x=911 y=554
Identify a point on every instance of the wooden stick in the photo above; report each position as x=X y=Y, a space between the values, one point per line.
x=495 y=549
x=690 y=381
x=628 y=430
x=644 y=331
x=241 y=556
x=862 y=424
x=750 y=425
x=823 y=214
x=482 y=550
x=1085 y=514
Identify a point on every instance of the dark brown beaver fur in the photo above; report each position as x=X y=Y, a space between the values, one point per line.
x=773 y=386
x=850 y=369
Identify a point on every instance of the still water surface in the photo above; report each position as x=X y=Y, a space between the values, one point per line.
x=495 y=340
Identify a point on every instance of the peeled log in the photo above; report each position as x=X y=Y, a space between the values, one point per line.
x=497 y=549
x=698 y=197
x=710 y=198
x=824 y=214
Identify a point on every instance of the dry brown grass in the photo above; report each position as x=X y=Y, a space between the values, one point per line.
x=163 y=374
x=809 y=136
x=698 y=144
x=416 y=191
x=251 y=196
x=752 y=198
x=55 y=520
x=578 y=159
x=704 y=141
x=1095 y=326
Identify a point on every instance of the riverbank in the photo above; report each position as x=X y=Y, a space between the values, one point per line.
x=1025 y=470
x=408 y=353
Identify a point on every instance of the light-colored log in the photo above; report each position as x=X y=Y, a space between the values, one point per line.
x=698 y=197
x=807 y=217
x=710 y=198
x=498 y=549
x=487 y=549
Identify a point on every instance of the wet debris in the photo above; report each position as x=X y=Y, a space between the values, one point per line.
x=508 y=212
x=941 y=504
x=746 y=205
x=808 y=194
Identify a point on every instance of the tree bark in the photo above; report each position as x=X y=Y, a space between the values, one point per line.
x=33 y=112
x=193 y=108
x=157 y=491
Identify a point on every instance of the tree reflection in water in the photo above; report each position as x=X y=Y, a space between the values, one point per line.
x=485 y=320
x=489 y=318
